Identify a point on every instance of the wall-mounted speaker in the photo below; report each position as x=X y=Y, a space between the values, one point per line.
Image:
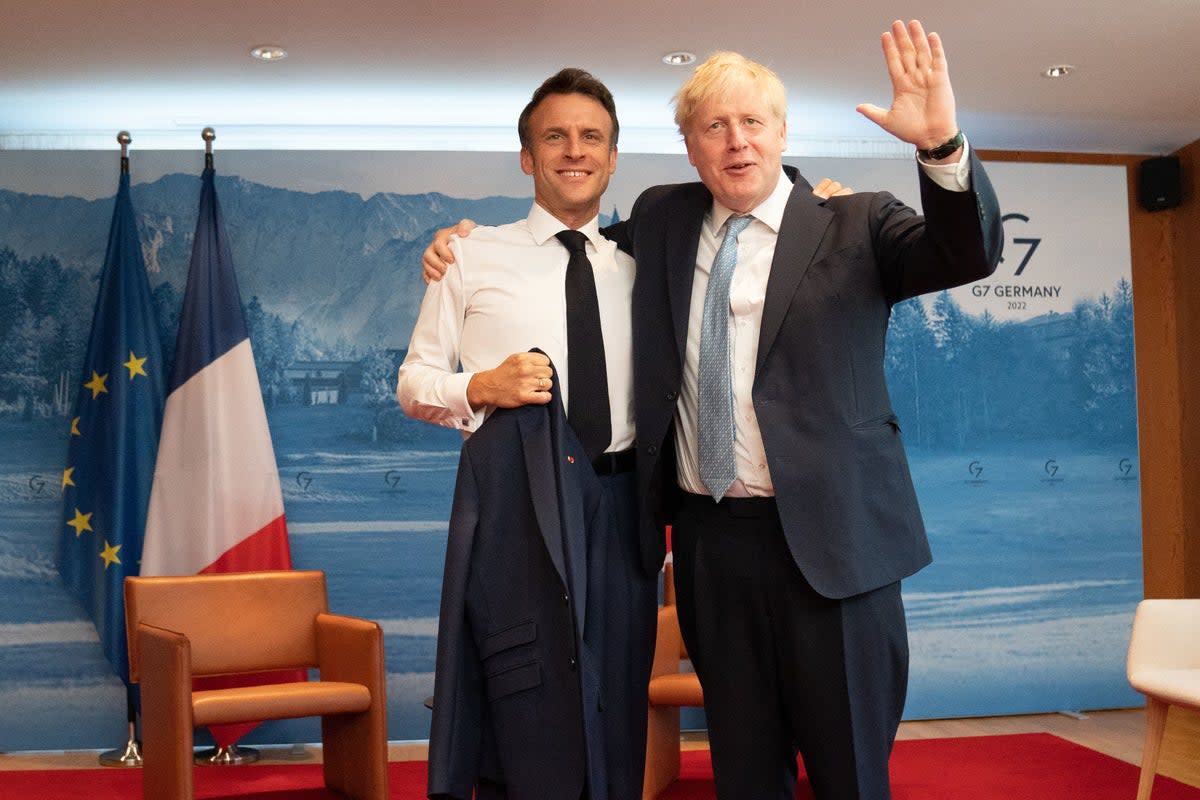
x=1158 y=183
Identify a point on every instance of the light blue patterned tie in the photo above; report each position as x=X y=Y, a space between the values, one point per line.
x=715 y=380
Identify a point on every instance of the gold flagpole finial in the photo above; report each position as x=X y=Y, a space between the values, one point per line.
x=124 y=139
x=208 y=135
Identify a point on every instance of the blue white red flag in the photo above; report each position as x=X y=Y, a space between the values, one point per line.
x=216 y=504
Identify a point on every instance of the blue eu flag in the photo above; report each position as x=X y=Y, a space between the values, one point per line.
x=113 y=439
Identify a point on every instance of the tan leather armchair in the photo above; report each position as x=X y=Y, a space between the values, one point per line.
x=1164 y=665
x=670 y=688
x=184 y=627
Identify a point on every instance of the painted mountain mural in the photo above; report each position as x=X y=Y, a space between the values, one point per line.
x=349 y=267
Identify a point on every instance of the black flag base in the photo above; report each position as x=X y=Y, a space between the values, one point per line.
x=227 y=756
x=130 y=756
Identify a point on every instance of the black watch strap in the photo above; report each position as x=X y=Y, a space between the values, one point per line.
x=942 y=150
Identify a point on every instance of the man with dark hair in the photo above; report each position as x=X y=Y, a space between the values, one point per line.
x=517 y=287
x=569 y=80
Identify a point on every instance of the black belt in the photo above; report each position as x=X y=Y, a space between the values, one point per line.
x=614 y=463
x=741 y=507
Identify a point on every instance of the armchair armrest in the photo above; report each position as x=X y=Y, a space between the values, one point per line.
x=165 y=674
x=350 y=649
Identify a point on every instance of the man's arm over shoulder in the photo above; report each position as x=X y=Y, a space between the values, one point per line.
x=429 y=386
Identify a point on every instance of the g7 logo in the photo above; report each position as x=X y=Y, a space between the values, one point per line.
x=1032 y=243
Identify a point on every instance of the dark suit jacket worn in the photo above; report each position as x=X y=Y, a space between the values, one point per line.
x=842 y=482
x=516 y=696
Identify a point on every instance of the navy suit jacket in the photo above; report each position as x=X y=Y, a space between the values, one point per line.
x=517 y=690
x=842 y=482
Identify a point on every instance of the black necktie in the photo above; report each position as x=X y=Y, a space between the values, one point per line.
x=587 y=375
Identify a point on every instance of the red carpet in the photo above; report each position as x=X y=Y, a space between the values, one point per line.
x=1018 y=767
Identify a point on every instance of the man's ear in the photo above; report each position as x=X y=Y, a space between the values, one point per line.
x=526 y=161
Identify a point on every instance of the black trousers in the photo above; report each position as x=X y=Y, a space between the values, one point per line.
x=785 y=670
x=631 y=618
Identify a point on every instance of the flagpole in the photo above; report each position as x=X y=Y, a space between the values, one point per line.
x=230 y=754
x=131 y=754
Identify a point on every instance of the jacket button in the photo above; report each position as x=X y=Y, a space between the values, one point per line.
x=572 y=664
x=566 y=599
x=671 y=396
x=652 y=449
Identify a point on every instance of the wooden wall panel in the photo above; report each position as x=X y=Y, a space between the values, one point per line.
x=1185 y=222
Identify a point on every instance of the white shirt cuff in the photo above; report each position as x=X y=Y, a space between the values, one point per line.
x=954 y=177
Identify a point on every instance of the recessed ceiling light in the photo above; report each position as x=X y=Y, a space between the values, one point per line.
x=1058 y=71
x=679 y=58
x=268 y=52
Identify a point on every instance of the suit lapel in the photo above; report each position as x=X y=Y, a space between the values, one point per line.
x=682 y=241
x=571 y=470
x=539 y=471
x=553 y=460
x=805 y=219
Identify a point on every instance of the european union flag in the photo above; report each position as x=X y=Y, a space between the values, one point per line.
x=113 y=439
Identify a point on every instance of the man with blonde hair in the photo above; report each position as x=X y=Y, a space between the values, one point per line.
x=766 y=437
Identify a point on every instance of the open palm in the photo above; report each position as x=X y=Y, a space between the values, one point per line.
x=922 y=111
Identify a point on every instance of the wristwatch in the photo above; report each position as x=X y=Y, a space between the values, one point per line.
x=942 y=150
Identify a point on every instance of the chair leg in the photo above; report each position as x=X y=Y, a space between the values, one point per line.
x=355 y=754
x=662 y=750
x=1156 y=723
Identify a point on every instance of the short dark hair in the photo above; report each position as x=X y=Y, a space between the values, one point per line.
x=570 y=80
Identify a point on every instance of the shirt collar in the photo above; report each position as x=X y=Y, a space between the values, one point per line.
x=769 y=211
x=543 y=225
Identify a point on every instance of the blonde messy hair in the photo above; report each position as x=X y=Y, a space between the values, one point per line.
x=721 y=75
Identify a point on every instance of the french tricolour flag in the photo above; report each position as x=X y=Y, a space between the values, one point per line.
x=215 y=504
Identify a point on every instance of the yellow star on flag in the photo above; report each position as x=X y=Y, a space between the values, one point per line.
x=96 y=384
x=81 y=523
x=67 y=473
x=109 y=554
x=75 y=427
x=134 y=365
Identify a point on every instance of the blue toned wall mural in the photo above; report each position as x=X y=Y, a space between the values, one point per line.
x=1015 y=396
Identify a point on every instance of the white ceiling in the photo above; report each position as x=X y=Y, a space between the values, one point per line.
x=453 y=74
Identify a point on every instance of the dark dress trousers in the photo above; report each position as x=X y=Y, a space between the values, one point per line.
x=517 y=710
x=845 y=511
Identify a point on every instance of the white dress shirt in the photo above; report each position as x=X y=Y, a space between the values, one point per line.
x=747 y=292
x=505 y=294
